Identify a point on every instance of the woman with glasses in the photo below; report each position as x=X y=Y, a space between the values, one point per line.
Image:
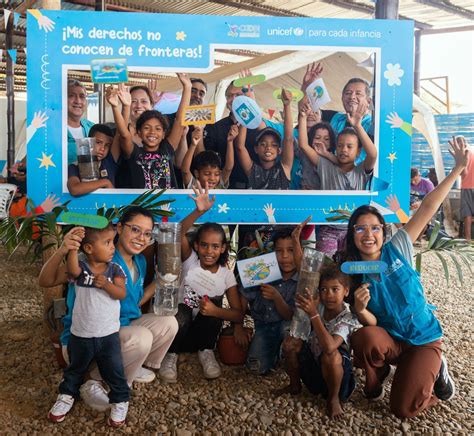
x=144 y=338
x=407 y=333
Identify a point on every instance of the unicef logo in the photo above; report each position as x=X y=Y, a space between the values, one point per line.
x=298 y=31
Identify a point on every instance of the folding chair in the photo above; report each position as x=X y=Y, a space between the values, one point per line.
x=7 y=192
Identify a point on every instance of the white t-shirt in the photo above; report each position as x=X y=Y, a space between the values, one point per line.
x=95 y=313
x=76 y=132
x=199 y=282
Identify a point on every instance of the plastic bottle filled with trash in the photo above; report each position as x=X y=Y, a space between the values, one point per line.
x=87 y=160
x=308 y=280
x=168 y=268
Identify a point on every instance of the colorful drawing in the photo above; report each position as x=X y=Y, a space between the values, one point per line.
x=317 y=94
x=258 y=270
x=247 y=112
x=199 y=115
x=109 y=70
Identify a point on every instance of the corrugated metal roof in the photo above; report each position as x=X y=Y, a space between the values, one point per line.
x=434 y=14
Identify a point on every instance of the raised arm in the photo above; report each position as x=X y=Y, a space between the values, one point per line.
x=355 y=119
x=229 y=156
x=296 y=240
x=288 y=152
x=309 y=151
x=182 y=148
x=174 y=135
x=72 y=263
x=433 y=200
x=313 y=72
x=188 y=157
x=54 y=271
x=244 y=157
x=203 y=203
x=126 y=143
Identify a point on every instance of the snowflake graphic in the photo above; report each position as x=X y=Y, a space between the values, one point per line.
x=223 y=208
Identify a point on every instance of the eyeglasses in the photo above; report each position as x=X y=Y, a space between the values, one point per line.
x=137 y=232
x=362 y=228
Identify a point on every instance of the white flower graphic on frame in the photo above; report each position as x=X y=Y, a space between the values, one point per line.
x=393 y=74
x=223 y=208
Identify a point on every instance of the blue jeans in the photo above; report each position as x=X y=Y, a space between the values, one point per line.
x=264 y=349
x=106 y=352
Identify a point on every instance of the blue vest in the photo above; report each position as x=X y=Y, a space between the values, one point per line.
x=398 y=302
x=129 y=308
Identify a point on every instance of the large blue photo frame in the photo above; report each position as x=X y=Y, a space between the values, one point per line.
x=58 y=40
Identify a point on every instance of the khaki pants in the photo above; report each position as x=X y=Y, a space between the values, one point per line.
x=144 y=342
x=417 y=368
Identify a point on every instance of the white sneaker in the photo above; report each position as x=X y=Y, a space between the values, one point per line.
x=168 y=370
x=61 y=407
x=94 y=395
x=118 y=414
x=209 y=364
x=144 y=376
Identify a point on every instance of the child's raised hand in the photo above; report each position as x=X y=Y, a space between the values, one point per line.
x=207 y=307
x=185 y=132
x=100 y=281
x=296 y=233
x=313 y=72
x=233 y=133
x=269 y=292
x=354 y=117
x=361 y=297
x=111 y=95
x=286 y=96
x=124 y=94
x=459 y=151
x=202 y=199
x=197 y=134
x=153 y=87
x=184 y=79
x=72 y=240
x=308 y=302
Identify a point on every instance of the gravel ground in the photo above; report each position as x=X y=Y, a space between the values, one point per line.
x=233 y=404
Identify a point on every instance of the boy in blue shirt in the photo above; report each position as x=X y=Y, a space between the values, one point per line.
x=271 y=307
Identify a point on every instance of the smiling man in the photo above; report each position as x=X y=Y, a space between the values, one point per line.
x=77 y=127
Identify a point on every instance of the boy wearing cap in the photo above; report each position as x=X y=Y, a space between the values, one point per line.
x=269 y=172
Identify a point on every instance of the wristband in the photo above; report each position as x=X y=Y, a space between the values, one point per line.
x=315 y=316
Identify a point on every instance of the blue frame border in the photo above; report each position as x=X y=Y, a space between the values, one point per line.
x=183 y=46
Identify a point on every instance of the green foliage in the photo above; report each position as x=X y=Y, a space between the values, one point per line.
x=458 y=250
x=39 y=232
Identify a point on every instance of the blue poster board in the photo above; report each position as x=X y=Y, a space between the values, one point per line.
x=59 y=41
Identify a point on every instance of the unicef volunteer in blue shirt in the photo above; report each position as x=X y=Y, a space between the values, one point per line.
x=407 y=333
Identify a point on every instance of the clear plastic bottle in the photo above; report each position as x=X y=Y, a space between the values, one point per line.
x=308 y=280
x=87 y=160
x=168 y=268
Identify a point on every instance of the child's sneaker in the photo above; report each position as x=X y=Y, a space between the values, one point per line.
x=95 y=395
x=444 y=387
x=144 y=376
x=61 y=407
x=118 y=414
x=209 y=364
x=168 y=370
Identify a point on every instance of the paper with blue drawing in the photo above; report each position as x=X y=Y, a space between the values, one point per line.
x=259 y=270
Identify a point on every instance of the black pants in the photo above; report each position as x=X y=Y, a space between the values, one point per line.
x=196 y=334
x=106 y=352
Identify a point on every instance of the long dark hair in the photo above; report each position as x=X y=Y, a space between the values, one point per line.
x=351 y=252
x=133 y=211
x=216 y=228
